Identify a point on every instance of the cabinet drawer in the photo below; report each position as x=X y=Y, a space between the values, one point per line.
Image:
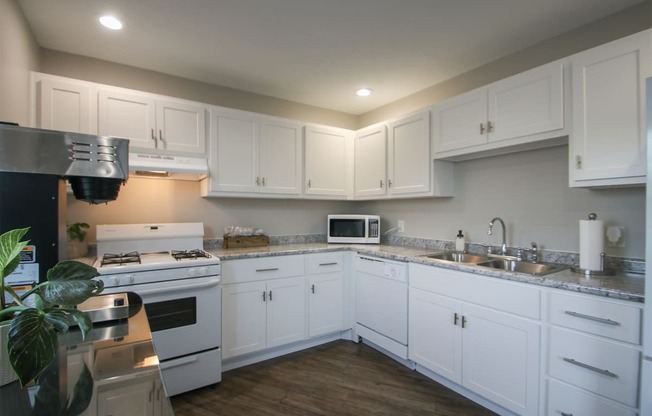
x=566 y=400
x=262 y=268
x=600 y=366
x=325 y=263
x=495 y=293
x=596 y=316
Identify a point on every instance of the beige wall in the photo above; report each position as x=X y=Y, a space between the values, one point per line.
x=19 y=54
x=529 y=191
x=612 y=27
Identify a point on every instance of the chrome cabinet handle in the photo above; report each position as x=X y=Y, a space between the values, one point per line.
x=263 y=181
x=270 y=295
x=312 y=288
x=590 y=367
x=257 y=181
x=153 y=135
x=328 y=264
x=309 y=183
x=389 y=183
x=490 y=127
x=463 y=321
x=160 y=136
x=264 y=296
x=592 y=318
x=272 y=269
x=456 y=318
x=481 y=128
x=578 y=162
x=565 y=414
x=381 y=183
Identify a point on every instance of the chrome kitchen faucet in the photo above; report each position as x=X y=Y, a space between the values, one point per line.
x=503 y=247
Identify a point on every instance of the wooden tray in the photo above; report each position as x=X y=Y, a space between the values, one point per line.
x=245 y=241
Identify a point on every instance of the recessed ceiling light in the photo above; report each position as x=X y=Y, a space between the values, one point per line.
x=363 y=92
x=111 y=22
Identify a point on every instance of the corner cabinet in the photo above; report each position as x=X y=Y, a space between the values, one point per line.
x=253 y=155
x=151 y=122
x=328 y=163
x=517 y=111
x=608 y=140
x=394 y=161
x=479 y=333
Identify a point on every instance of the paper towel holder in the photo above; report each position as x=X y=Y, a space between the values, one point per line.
x=594 y=273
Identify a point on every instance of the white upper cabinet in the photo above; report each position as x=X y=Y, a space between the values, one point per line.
x=371 y=161
x=395 y=161
x=328 y=162
x=253 y=155
x=150 y=122
x=607 y=144
x=64 y=105
x=519 y=110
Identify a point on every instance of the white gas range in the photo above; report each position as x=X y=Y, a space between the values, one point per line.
x=180 y=287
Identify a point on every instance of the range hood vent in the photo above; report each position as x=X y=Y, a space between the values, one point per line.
x=168 y=166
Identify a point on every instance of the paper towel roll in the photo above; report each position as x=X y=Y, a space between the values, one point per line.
x=591 y=244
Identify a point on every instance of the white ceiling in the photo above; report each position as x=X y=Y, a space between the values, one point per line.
x=311 y=51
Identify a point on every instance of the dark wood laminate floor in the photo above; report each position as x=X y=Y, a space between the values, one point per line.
x=338 y=378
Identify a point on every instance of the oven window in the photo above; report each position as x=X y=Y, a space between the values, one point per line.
x=171 y=313
x=347 y=228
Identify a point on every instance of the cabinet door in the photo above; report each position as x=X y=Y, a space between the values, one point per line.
x=65 y=106
x=409 y=155
x=371 y=161
x=131 y=399
x=501 y=358
x=243 y=318
x=280 y=157
x=234 y=156
x=128 y=115
x=181 y=126
x=286 y=311
x=328 y=163
x=325 y=303
x=527 y=103
x=460 y=121
x=608 y=139
x=435 y=338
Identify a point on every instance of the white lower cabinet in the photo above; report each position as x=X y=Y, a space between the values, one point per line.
x=593 y=355
x=325 y=293
x=263 y=304
x=490 y=352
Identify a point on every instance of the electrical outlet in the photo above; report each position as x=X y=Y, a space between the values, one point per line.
x=615 y=236
x=401 y=226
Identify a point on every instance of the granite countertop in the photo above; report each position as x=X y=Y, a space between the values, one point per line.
x=626 y=286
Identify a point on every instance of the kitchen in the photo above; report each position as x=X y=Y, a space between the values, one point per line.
x=546 y=211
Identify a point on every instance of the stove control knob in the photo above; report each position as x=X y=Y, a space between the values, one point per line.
x=127 y=279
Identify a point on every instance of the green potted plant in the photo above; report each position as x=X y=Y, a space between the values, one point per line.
x=77 y=244
x=34 y=319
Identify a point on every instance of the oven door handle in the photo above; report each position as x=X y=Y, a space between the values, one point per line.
x=188 y=286
x=177 y=363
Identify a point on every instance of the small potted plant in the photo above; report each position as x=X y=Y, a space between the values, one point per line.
x=33 y=320
x=77 y=244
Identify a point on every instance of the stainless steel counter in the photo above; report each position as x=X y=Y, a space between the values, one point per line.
x=114 y=371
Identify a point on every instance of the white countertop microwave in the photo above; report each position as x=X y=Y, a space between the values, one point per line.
x=354 y=229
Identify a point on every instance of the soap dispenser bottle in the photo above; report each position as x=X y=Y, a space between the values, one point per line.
x=459 y=242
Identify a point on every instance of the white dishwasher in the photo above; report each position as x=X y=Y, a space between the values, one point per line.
x=381 y=303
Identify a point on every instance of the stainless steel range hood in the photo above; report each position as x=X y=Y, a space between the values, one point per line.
x=95 y=166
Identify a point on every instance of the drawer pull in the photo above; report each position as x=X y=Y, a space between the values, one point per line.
x=592 y=318
x=590 y=367
x=328 y=264
x=566 y=414
x=273 y=269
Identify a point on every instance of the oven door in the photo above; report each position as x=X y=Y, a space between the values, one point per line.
x=184 y=315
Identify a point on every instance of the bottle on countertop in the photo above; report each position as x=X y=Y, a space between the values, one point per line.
x=459 y=242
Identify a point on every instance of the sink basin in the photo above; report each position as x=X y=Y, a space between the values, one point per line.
x=536 y=269
x=457 y=257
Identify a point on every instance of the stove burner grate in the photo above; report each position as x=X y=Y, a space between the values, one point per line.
x=110 y=259
x=189 y=254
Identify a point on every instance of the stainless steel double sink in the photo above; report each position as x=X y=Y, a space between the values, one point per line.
x=535 y=269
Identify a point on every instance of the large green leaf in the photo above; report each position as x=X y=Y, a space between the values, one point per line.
x=62 y=319
x=69 y=293
x=10 y=247
x=72 y=270
x=32 y=344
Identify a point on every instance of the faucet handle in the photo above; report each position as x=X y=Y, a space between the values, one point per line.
x=488 y=247
x=534 y=253
x=519 y=253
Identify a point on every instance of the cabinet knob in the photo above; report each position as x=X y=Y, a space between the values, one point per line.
x=381 y=183
x=578 y=162
x=389 y=183
x=309 y=183
x=490 y=127
x=481 y=128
